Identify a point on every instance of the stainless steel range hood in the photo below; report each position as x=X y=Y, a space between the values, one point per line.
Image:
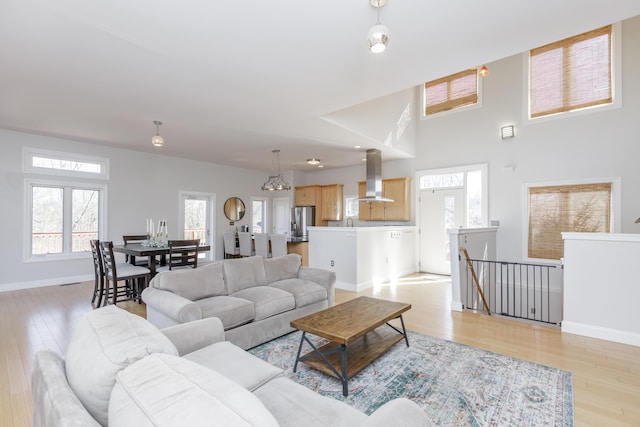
x=374 y=178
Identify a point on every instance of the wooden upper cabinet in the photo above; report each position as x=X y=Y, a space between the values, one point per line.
x=307 y=195
x=331 y=196
x=397 y=189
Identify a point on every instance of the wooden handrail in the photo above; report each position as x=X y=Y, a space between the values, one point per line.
x=475 y=279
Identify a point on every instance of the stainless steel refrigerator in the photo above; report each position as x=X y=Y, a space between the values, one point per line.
x=301 y=218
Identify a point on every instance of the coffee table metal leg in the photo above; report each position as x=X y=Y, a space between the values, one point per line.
x=404 y=331
x=295 y=365
x=345 y=386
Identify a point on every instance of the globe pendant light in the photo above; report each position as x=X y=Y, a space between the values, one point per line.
x=378 y=35
x=157 y=140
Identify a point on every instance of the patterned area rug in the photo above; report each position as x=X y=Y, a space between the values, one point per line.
x=456 y=385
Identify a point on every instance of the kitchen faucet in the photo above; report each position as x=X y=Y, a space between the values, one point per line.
x=350 y=218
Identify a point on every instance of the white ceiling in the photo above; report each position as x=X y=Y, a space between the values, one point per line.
x=233 y=80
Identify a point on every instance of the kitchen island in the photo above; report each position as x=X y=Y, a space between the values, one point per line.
x=363 y=257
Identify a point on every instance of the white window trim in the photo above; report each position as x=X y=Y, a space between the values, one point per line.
x=28 y=215
x=616 y=83
x=346 y=204
x=29 y=153
x=456 y=110
x=616 y=208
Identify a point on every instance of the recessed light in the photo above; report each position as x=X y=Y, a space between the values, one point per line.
x=320 y=166
x=313 y=161
x=357 y=146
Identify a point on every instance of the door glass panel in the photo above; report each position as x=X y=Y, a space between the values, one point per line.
x=258 y=212
x=474 y=199
x=195 y=220
x=449 y=222
x=84 y=219
x=47 y=215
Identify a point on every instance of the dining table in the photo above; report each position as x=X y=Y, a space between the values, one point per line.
x=151 y=252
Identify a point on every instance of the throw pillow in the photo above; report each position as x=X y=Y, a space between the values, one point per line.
x=107 y=340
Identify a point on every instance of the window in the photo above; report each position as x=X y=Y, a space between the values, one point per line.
x=63 y=217
x=351 y=206
x=259 y=215
x=571 y=74
x=447 y=93
x=553 y=209
x=65 y=164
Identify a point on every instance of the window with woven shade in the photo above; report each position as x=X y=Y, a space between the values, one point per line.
x=571 y=74
x=566 y=208
x=447 y=93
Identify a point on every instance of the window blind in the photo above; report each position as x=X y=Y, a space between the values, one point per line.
x=557 y=209
x=571 y=74
x=451 y=92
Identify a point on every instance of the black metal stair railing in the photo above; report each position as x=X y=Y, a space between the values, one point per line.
x=519 y=290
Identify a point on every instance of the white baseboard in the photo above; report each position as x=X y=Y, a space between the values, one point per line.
x=42 y=283
x=608 y=334
x=456 y=306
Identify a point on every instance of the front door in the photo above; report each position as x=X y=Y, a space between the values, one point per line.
x=440 y=210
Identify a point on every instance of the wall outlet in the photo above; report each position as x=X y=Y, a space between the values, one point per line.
x=332 y=264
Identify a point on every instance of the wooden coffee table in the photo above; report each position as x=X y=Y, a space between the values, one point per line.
x=356 y=340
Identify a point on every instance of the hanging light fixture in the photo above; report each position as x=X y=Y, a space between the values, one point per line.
x=275 y=182
x=157 y=140
x=378 y=35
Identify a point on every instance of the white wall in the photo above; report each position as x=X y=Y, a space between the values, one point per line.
x=140 y=186
x=601 y=291
x=600 y=144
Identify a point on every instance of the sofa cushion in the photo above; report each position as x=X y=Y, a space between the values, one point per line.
x=242 y=273
x=304 y=291
x=294 y=405
x=193 y=283
x=162 y=390
x=282 y=267
x=106 y=341
x=236 y=364
x=268 y=301
x=230 y=310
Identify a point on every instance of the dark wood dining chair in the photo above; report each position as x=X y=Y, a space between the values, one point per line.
x=135 y=278
x=183 y=253
x=135 y=238
x=98 y=270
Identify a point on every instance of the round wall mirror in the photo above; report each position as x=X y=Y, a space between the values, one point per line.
x=234 y=208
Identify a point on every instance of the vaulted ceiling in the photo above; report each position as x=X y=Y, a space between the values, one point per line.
x=233 y=80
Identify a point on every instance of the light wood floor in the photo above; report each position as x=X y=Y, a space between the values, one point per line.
x=606 y=375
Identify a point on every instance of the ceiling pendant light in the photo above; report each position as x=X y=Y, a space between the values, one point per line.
x=313 y=161
x=378 y=35
x=275 y=182
x=157 y=140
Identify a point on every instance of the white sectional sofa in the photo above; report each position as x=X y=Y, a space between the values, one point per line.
x=120 y=370
x=255 y=298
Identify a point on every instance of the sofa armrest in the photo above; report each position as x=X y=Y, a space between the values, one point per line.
x=172 y=305
x=322 y=277
x=54 y=402
x=398 y=412
x=192 y=336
